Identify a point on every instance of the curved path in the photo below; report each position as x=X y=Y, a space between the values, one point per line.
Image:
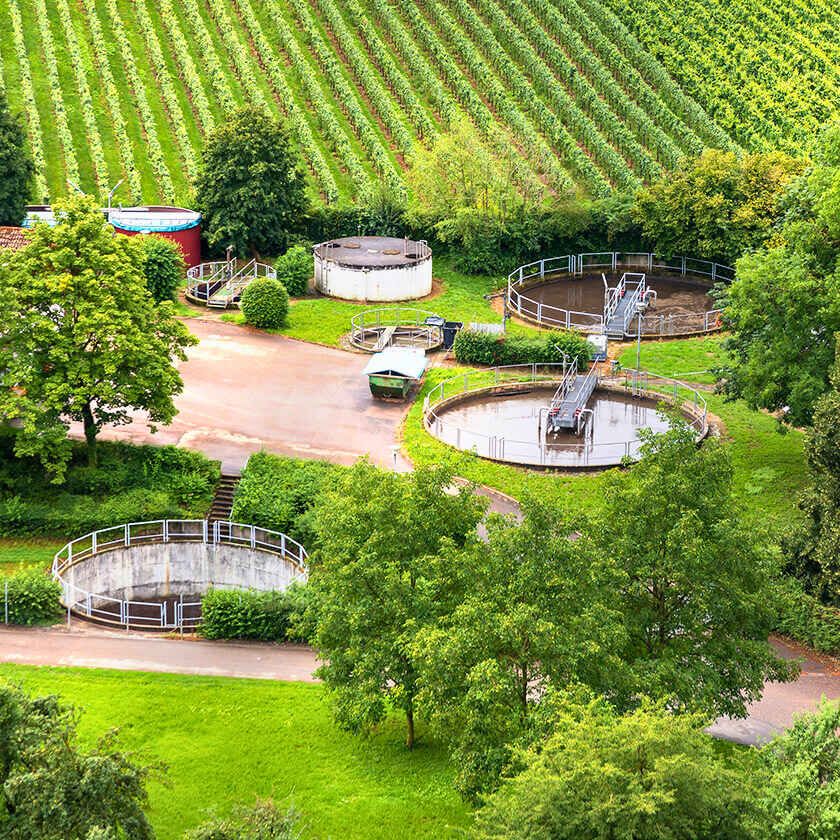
x=245 y=390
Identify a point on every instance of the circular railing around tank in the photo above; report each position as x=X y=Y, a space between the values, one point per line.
x=637 y=383
x=406 y=321
x=184 y=615
x=556 y=317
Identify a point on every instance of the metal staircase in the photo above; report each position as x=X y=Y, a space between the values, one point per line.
x=568 y=405
x=621 y=302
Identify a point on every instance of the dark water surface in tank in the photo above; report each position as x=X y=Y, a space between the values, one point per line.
x=675 y=295
x=518 y=419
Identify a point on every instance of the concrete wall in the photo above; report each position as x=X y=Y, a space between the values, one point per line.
x=375 y=284
x=157 y=570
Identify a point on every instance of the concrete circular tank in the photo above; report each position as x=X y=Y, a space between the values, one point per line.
x=373 y=268
x=151 y=575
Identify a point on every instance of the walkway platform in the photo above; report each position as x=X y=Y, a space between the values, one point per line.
x=564 y=415
x=622 y=305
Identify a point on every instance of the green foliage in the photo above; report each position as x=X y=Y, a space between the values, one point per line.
x=131 y=484
x=250 y=614
x=16 y=167
x=250 y=191
x=279 y=493
x=83 y=340
x=697 y=592
x=802 y=617
x=784 y=308
x=803 y=798
x=716 y=206
x=525 y=610
x=163 y=267
x=648 y=775
x=265 y=303
x=294 y=270
x=474 y=348
x=50 y=788
x=262 y=821
x=371 y=588
x=30 y=597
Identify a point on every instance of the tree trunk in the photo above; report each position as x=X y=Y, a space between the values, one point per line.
x=409 y=719
x=254 y=252
x=90 y=434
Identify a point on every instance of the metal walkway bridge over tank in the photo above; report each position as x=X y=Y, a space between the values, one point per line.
x=623 y=302
x=568 y=411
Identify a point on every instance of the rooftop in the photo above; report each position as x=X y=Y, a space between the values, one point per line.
x=13 y=238
x=373 y=251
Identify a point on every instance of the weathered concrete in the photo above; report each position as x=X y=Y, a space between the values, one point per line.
x=158 y=570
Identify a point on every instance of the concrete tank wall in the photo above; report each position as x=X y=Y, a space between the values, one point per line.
x=389 y=283
x=157 y=570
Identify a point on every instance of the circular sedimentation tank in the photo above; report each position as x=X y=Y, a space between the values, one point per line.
x=509 y=422
x=373 y=268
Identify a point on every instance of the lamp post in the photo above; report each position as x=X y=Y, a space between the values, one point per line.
x=111 y=194
x=76 y=187
x=395 y=448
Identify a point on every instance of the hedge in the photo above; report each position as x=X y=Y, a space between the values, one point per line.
x=473 y=348
x=31 y=598
x=249 y=614
x=294 y=269
x=804 y=618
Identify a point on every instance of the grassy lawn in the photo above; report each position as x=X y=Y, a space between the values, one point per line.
x=19 y=553
x=227 y=739
x=678 y=358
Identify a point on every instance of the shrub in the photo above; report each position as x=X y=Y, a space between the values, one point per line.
x=473 y=348
x=163 y=266
x=265 y=303
x=804 y=618
x=279 y=493
x=249 y=614
x=31 y=597
x=294 y=269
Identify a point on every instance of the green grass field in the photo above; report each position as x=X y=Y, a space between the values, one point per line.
x=689 y=359
x=226 y=740
x=17 y=554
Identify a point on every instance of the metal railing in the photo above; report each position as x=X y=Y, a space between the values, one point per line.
x=148 y=614
x=406 y=320
x=543 y=453
x=577 y=264
x=224 y=279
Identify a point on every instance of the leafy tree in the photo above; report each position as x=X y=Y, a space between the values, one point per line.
x=265 y=303
x=530 y=609
x=716 y=206
x=697 y=592
x=783 y=318
x=802 y=801
x=372 y=587
x=16 y=167
x=647 y=775
x=263 y=820
x=50 y=788
x=294 y=269
x=82 y=338
x=250 y=191
x=163 y=266
x=784 y=308
x=813 y=551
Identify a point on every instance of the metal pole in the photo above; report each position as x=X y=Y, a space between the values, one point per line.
x=639 y=341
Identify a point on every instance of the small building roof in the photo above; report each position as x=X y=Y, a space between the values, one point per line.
x=13 y=238
x=397 y=361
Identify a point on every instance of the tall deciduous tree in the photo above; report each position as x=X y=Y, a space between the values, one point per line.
x=716 y=206
x=16 y=167
x=50 y=788
x=372 y=587
x=250 y=190
x=82 y=338
x=698 y=592
x=649 y=775
x=531 y=608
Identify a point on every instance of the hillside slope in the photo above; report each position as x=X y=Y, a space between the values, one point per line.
x=129 y=88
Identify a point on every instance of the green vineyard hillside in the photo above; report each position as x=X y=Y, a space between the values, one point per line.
x=594 y=94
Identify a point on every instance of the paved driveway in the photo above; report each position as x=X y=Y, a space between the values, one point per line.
x=245 y=390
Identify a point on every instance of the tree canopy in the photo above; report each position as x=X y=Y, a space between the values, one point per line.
x=716 y=206
x=83 y=340
x=50 y=788
x=250 y=191
x=372 y=587
x=16 y=167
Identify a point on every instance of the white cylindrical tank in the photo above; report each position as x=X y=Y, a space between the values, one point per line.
x=373 y=268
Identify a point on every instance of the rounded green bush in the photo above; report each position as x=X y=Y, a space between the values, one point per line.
x=265 y=303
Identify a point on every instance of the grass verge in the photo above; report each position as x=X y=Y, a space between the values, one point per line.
x=228 y=739
x=686 y=359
